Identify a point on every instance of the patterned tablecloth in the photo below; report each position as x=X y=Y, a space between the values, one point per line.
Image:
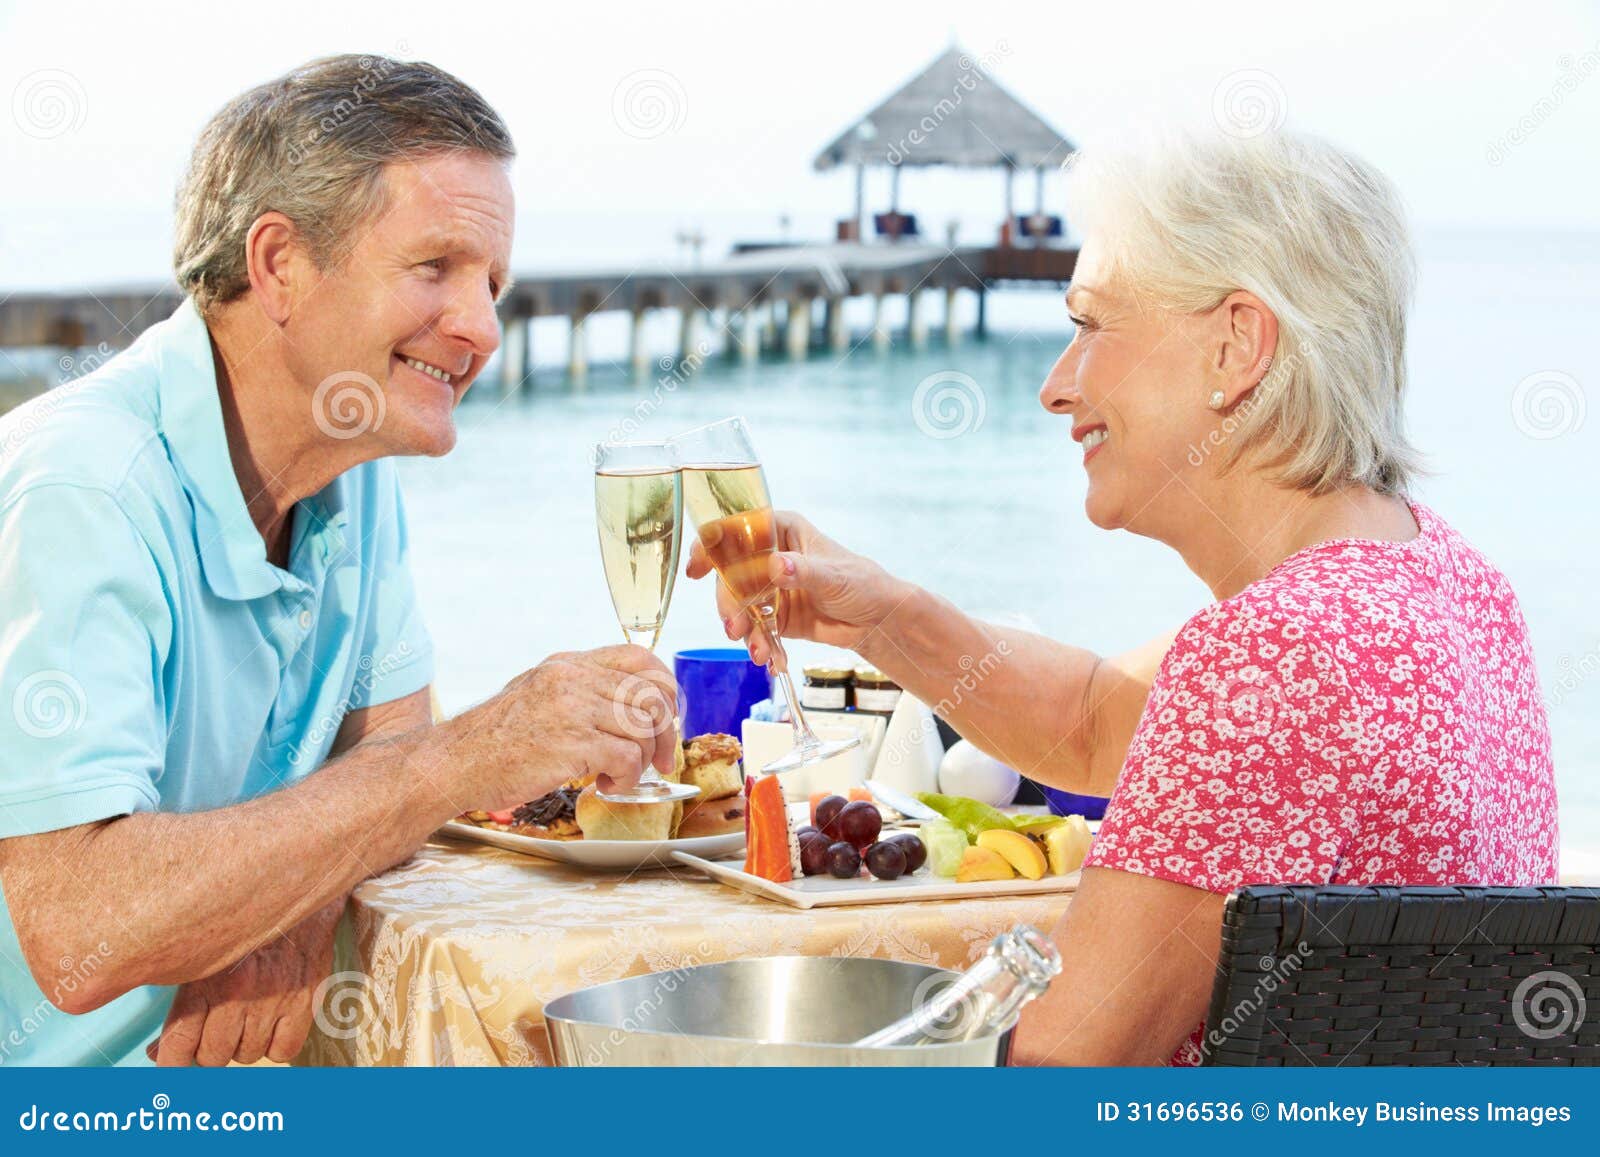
x=450 y=958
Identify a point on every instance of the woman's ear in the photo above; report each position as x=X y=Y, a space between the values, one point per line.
x=1249 y=343
x=271 y=249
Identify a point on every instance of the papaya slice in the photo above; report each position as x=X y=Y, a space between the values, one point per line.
x=766 y=828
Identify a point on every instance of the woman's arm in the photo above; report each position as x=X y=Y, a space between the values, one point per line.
x=1056 y=713
x=1139 y=959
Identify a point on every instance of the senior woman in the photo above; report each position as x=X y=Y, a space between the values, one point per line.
x=1358 y=705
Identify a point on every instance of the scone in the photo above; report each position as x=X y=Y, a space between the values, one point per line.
x=603 y=820
x=711 y=763
x=711 y=817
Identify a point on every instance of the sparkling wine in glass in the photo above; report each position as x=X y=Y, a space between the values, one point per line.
x=638 y=505
x=725 y=493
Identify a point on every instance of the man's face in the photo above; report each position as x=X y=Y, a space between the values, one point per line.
x=414 y=299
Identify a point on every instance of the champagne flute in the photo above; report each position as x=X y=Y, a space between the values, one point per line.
x=725 y=492
x=638 y=505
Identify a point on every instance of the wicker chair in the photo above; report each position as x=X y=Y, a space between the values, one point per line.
x=1407 y=976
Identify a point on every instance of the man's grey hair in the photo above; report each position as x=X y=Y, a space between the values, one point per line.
x=1320 y=236
x=312 y=145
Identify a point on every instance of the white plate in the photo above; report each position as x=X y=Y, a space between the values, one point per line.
x=604 y=855
x=826 y=892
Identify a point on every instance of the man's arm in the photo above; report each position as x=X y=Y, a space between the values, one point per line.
x=1139 y=959
x=262 y=1005
x=180 y=896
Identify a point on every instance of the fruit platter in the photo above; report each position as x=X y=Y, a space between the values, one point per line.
x=844 y=853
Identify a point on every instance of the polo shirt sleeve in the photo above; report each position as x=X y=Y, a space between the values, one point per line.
x=1242 y=770
x=396 y=657
x=84 y=625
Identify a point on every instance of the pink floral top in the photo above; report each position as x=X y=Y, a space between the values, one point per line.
x=1365 y=713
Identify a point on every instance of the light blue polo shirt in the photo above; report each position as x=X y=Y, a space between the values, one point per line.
x=151 y=658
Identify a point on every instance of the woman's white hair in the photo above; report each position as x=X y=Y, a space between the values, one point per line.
x=1320 y=236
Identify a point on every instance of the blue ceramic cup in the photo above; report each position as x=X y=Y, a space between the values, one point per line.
x=717 y=687
x=1066 y=803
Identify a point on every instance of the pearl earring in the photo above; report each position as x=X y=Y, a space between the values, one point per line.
x=1217 y=399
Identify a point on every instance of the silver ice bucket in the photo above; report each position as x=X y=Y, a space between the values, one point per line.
x=777 y=1010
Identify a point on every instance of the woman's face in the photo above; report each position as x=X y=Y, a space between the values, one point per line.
x=1134 y=382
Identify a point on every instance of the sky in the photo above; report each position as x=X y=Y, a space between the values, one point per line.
x=1485 y=114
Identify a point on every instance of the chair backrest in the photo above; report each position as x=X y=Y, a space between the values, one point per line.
x=1407 y=976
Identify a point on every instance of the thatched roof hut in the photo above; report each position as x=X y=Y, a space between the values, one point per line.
x=951 y=113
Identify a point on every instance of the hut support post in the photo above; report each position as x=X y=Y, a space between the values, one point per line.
x=880 y=332
x=514 y=360
x=578 y=349
x=916 y=320
x=838 y=336
x=798 y=331
x=861 y=198
x=1010 y=201
x=951 y=333
x=982 y=328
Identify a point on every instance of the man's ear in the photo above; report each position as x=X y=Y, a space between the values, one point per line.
x=1248 y=333
x=274 y=258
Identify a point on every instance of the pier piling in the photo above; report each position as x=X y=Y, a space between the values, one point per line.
x=578 y=348
x=798 y=331
x=880 y=332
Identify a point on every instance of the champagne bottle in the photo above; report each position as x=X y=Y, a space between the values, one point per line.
x=1017 y=967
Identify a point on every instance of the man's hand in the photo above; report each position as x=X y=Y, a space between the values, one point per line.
x=260 y=1007
x=608 y=712
x=830 y=594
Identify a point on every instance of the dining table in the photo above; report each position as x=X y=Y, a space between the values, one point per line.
x=450 y=957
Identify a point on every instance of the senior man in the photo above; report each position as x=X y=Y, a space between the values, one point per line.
x=214 y=679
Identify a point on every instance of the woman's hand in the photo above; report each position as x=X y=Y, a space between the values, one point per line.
x=829 y=594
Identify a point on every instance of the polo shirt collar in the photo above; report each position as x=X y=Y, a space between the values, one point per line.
x=233 y=556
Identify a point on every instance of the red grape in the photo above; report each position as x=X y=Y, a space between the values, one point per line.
x=859 y=823
x=886 y=859
x=828 y=809
x=843 y=861
x=814 y=853
x=916 y=851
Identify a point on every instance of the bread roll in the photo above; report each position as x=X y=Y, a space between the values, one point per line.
x=603 y=820
x=711 y=817
x=711 y=763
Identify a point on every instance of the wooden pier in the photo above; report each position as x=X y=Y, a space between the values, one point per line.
x=767 y=300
